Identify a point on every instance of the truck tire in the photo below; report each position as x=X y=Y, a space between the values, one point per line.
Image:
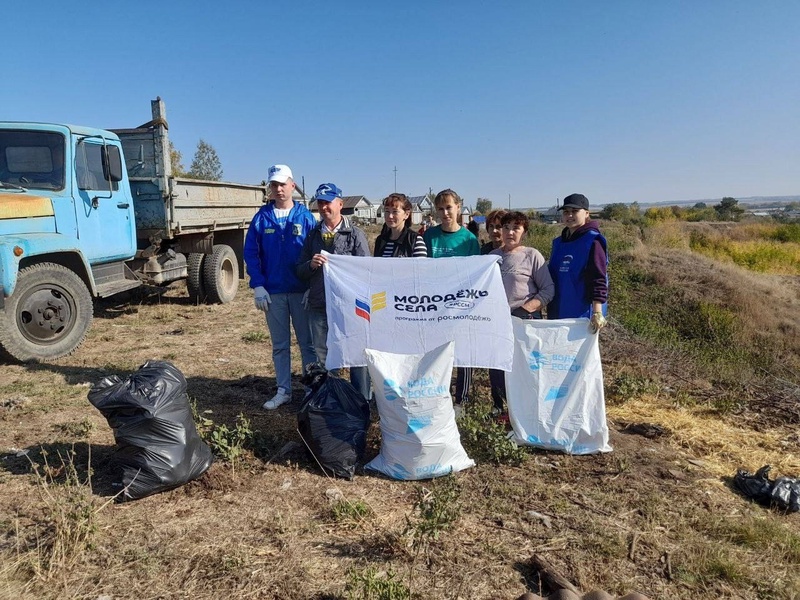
x=194 y=277
x=221 y=274
x=47 y=316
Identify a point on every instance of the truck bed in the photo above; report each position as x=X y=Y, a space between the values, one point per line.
x=168 y=207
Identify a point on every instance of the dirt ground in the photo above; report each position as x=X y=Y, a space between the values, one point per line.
x=657 y=515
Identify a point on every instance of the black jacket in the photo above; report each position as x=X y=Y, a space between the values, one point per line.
x=404 y=245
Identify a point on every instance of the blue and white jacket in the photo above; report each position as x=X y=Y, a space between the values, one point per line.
x=271 y=250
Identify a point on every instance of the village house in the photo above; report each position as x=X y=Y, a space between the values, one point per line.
x=357 y=207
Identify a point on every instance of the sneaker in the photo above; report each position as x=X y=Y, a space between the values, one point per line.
x=282 y=397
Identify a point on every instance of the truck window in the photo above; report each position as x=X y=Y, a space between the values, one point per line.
x=89 y=167
x=32 y=159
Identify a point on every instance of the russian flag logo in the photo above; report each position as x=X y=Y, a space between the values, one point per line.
x=362 y=309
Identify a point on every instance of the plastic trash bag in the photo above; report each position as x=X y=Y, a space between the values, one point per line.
x=783 y=493
x=333 y=422
x=419 y=435
x=555 y=389
x=158 y=447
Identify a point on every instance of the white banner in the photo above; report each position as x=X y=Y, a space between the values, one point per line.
x=413 y=305
x=555 y=390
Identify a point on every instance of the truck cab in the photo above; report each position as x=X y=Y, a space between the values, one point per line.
x=66 y=224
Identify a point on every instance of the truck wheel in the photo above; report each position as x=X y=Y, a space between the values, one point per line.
x=47 y=316
x=221 y=274
x=194 y=277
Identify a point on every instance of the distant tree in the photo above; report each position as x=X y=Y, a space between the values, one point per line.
x=728 y=209
x=176 y=161
x=533 y=214
x=659 y=213
x=619 y=211
x=206 y=164
x=699 y=205
x=696 y=214
x=483 y=206
x=616 y=211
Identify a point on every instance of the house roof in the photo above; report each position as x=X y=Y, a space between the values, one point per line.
x=417 y=200
x=353 y=201
x=347 y=202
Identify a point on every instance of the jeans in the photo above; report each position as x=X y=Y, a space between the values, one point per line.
x=283 y=309
x=318 y=322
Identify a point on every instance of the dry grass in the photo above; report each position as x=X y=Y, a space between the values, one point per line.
x=656 y=515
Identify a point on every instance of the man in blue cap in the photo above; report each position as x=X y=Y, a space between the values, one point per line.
x=335 y=234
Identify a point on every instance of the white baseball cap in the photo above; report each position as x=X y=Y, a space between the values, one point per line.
x=280 y=173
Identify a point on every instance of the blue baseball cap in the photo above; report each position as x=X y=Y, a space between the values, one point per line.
x=328 y=192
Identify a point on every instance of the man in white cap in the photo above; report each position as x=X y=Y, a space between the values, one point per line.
x=271 y=250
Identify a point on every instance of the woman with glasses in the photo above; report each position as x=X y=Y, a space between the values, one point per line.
x=397 y=238
x=527 y=282
x=494 y=229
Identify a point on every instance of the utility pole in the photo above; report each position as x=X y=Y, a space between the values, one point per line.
x=395 y=178
x=509 y=202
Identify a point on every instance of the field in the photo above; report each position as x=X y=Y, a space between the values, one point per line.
x=702 y=376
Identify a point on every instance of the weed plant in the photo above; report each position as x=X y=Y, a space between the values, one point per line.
x=351 y=511
x=227 y=443
x=69 y=520
x=485 y=439
x=255 y=337
x=624 y=387
x=370 y=584
x=435 y=510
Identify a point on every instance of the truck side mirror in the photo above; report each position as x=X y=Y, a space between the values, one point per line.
x=112 y=163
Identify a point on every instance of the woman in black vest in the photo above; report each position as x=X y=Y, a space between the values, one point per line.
x=397 y=239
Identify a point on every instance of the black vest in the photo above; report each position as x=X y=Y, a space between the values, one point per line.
x=403 y=246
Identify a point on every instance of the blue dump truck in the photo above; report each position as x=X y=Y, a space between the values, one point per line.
x=88 y=213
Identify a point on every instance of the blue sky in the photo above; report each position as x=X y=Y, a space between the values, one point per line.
x=621 y=100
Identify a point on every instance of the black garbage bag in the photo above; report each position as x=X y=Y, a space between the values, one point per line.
x=158 y=447
x=333 y=421
x=783 y=493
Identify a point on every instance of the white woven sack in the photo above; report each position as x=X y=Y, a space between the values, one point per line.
x=555 y=390
x=420 y=439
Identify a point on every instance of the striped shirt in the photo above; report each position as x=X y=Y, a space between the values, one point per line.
x=420 y=249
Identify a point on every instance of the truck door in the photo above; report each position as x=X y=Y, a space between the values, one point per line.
x=105 y=213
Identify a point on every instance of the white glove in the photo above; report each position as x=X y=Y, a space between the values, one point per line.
x=262 y=299
x=597 y=322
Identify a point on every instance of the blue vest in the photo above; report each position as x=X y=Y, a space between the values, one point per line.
x=567 y=267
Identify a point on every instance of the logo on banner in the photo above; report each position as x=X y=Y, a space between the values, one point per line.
x=364 y=308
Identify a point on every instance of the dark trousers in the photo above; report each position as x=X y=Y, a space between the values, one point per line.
x=463 y=384
x=497 y=381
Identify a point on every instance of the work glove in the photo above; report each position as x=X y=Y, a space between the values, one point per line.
x=304 y=301
x=262 y=299
x=597 y=322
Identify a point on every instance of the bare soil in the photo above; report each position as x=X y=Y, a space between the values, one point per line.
x=658 y=515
